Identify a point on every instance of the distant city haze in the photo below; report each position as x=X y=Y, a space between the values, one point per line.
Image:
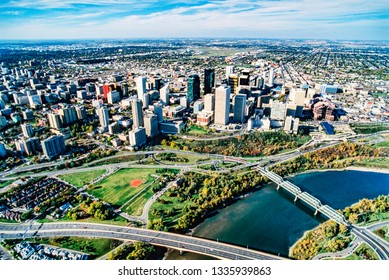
x=99 y=19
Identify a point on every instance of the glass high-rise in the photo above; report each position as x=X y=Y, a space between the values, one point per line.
x=193 y=88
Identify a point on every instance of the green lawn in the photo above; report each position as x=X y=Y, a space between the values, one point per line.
x=374 y=162
x=184 y=158
x=135 y=207
x=95 y=247
x=359 y=255
x=116 y=189
x=197 y=130
x=5 y=183
x=166 y=203
x=80 y=179
x=8 y=221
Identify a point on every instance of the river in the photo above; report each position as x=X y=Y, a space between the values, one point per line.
x=269 y=220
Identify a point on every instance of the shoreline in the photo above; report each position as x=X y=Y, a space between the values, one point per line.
x=353 y=168
x=348 y=168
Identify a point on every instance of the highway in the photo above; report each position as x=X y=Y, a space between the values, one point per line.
x=176 y=241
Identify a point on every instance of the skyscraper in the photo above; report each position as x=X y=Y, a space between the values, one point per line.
x=239 y=108
x=103 y=116
x=209 y=102
x=222 y=104
x=137 y=113
x=151 y=125
x=193 y=88
x=141 y=86
x=209 y=80
x=229 y=71
x=164 y=95
x=137 y=136
x=271 y=78
x=233 y=81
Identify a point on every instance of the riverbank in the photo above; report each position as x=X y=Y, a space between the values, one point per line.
x=353 y=167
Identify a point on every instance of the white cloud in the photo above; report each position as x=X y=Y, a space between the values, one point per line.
x=351 y=19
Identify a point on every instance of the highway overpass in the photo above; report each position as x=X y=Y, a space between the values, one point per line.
x=180 y=242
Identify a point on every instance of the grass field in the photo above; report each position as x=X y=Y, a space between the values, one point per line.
x=95 y=247
x=171 y=204
x=197 y=130
x=374 y=162
x=5 y=183
x=185 y=158
x=80 y=179
x=358 y=256
x=116 y=188
x=135 y=207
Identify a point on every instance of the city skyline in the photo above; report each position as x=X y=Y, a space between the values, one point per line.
x=87 y=19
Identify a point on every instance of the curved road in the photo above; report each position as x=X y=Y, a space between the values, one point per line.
x=176 y=241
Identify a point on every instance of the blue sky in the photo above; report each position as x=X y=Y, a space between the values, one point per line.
x=305 y=19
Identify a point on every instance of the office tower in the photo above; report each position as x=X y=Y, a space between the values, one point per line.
x=244 y=79
x=193 y=92
x=297 y=96
x=209 y=80
x=291 y=110
x=54 y=120
x=278 y=110
x=222 y=104
x=291 y=124
x=27 y=130
x=103 y=115
x=67 y=115
x=164 y=95
x=106 y=90
x=239 y=108
x=229 y=71
x=209 y=102
x=81 y=112
x=198 y=106
x=271 y=78
x=233 y=80
x=28 y=115
x=157 y=108
x=137 y=113
x=137 y=136
x=157 y=83
x=53 y=146
x=113 y=97
x=151 y=125
x=141 y=86
x=288 y=123
x=146 y=100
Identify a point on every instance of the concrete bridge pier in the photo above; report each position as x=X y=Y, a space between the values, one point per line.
x=181 y=252
x=295 y=198
x=316 y=211
x=278 y=187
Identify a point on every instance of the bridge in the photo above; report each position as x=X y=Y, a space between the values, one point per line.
x=179 y=242
x=307 y=198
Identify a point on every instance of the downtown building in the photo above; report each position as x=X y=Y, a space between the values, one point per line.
x=53 y=146
x=209 y=80
x=222 y=105
x=193 y=92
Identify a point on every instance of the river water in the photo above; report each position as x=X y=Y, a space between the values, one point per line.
x=269 y=220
